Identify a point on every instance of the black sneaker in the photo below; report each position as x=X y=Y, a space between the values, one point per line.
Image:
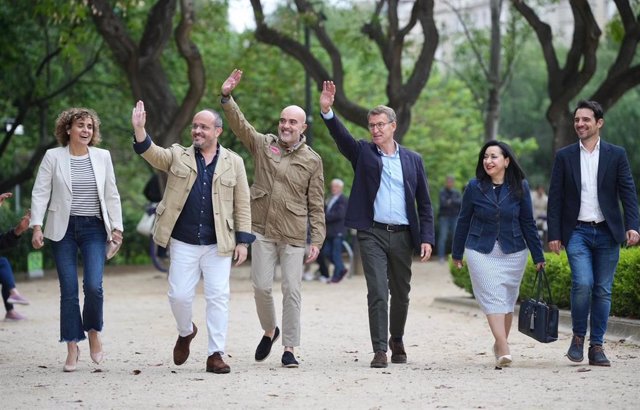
x=576 y=350
x=289 y=360
x=264 y=347
x=597 y=356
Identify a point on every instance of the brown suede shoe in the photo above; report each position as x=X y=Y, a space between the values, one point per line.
x=215 y=364
x=181 y=349
x=379 y=360
x=398 y=354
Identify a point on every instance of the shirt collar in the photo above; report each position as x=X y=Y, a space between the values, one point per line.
x=596 y=149
x=395 y=152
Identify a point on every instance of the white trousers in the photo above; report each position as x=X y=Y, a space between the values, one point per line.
x=188 y=262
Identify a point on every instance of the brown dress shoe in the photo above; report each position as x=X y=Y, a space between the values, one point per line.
x=181 y=349
x=398 y=354
x=379 y=360
x=215 y=364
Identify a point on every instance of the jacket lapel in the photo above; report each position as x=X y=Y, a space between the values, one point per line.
x=222 y=165
x=98 y=171
x=575 y=166
x=64 y=165
x=603 y=162
x=188 y=158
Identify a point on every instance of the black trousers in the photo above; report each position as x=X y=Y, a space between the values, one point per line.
x=386 y=260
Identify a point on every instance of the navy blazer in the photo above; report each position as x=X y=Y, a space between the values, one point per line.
x=367 y=165
x=334 y=217
x=615 y=184
x=485 y=218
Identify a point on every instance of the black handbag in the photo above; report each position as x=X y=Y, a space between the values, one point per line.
x=539 y=318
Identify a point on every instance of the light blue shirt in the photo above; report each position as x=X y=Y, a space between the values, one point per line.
x=389 y=206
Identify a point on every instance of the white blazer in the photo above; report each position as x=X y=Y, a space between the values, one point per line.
x=52 y=192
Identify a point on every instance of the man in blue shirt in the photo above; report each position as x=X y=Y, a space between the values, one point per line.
x=389 y=185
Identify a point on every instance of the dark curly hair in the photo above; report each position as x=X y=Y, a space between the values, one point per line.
x=513 y=175
x=65 y=121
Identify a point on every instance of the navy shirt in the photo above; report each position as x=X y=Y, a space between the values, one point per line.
x=195 y=224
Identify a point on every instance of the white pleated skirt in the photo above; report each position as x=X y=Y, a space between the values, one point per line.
x=496 y=278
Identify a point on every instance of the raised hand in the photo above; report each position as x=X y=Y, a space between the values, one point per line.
x=138 y=120
x=23 y=225
x=327 y=96
x=5 y=196
x=231 y=82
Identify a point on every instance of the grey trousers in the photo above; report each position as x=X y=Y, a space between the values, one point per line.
x=265 y=254
x=386 y=260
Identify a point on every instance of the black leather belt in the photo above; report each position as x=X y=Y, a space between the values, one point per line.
x=591 y=223
x=390 y=228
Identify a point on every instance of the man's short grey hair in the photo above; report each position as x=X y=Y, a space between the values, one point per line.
x=218 y=118
x=337 y=181
x=383 y=109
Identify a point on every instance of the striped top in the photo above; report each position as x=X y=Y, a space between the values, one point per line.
x=85 y=200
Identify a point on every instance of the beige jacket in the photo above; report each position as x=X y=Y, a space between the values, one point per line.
x=52 y=192
x=230 y=193
x=288 y=188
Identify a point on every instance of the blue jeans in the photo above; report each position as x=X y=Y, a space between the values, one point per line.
x=7 y=281
x=446 y=228
x=87 y=234
x=332 y=249
x=593 y=256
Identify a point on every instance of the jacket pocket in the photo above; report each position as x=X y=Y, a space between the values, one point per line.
x=227 y=186
x=294 y=225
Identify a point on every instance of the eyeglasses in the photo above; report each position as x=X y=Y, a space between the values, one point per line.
x=380 y=126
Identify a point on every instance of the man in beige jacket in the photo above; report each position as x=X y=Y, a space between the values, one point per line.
x=287 y=198
x=205 y=217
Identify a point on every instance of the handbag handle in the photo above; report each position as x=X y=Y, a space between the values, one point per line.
x=540 y=278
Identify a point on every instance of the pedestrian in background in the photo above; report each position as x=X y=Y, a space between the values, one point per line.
x=495 y=228
x=450 y=199
x=286 y=198
x=205 y=216
x=391 y=209
x=76 y=190
x=334 y=212
x=10 y=294
x=589 y=180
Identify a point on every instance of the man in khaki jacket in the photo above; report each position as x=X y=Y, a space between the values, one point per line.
x=287 y=196
x=205 y=217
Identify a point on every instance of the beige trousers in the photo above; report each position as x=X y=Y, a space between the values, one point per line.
x=265 y=254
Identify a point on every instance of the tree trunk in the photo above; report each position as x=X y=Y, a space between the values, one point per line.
x=402 y=94
x=142 y=64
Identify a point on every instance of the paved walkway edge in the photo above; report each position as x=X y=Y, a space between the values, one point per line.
x=617 y=330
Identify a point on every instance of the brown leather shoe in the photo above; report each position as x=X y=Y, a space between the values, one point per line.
x=215 y=364
x=398 y=354
x=379 y=360
x=181 y=349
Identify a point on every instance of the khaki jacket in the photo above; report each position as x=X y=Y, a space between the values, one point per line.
x=287 y=194
x=231 y=206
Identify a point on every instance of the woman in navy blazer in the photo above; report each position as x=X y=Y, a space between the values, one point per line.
x=496 y=226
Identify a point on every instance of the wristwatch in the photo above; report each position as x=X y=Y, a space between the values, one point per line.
x=246 y=245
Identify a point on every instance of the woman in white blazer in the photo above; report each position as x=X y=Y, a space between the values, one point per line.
x=76 y=189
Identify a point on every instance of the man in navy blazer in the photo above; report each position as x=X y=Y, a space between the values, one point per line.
x=389 y=186
x=588 y=181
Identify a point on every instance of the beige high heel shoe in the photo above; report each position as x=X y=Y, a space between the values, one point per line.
x=68 y=368
x=98 y=356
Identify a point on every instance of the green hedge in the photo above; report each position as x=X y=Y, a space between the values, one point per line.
x=626 y=283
